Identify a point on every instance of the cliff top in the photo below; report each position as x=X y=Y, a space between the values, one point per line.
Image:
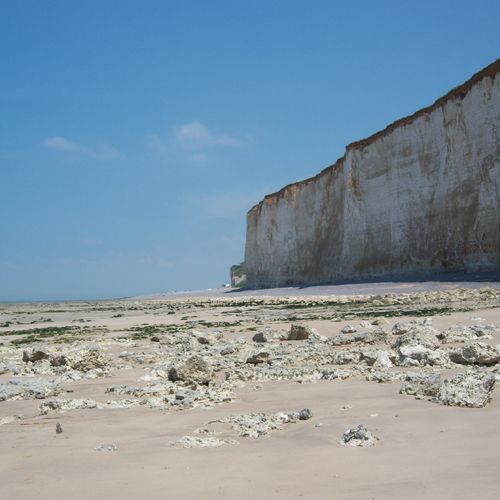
x=459 y=92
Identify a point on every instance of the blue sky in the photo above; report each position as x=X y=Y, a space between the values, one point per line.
x=135 y=135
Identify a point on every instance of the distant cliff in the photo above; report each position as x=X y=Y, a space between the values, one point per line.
x=419 y=197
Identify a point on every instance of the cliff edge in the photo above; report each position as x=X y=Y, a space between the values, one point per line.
x=419 y=197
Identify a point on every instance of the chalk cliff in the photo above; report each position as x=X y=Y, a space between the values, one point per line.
x=419 y=197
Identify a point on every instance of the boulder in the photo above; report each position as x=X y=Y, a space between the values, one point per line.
x=418 y=335
x=422 y=356
x=383 y=360
x=299 y=332
x=421 y=384
x=346 y=357
x=257 y=358
x=358 y=436
x=348 y=329
x=262 y=337
x=32 y=388
x=476 y=353
x=380 y=321
x=87 y=359
x=195 y=370
x=462 y=333
x=34 y=356
x=472 y=389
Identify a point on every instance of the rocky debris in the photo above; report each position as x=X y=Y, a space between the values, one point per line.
x=377 y=357
x=195 y=370
x=472 y=389
x=401 y=327
x=10 y=419
x=383 y=360
x=299 y=332
x=377 y=335
x=380 y=321
x=304 y=414
x=262 y=337
x=59 y=429
x=210 y=440
x=139 y=358
x=419 y=335
x=348 y=329
x=86 y=360
x=358 y=436
x=462 y=333
x=206 y=338
x=106 y=447
x=257 y=358
x=421 y=384
x=382 y=375
x=37 y=355
x=226 y=350
x=346 y=357
x=32 y=388
x=34 y=356
x=419 y=355
x=63 y=405
x=476 y=353
x=255 y=425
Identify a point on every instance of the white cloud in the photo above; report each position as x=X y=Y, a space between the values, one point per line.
x=60 y=144
x=197 y=134
x=191 y=142
x=101 y=152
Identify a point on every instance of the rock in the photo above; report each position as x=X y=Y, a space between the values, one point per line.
x=381 y=375
x=380 y=321
x=10 y=419
x=208 y=441
x=257 y=358
x=472 y=389
x=206 y=338
x=305 y=414
x=294 y=416
x=58 y=360
x=346 y=357
x=34 y=356
x=476 y=353
x=154 y=338
x=195 y=370
x=229 y=349
x=422 y=356
x=383 y=360
x=299 y=332
x=378 y=335
x=59 y=429
x=358 y=436
x=88 y=359
x=63 y=405
x=462 y=333
x=261 y=337
x=401 y=327
x=421 y=384
x=106 y=447
x=365 y=324
x=417 y=335
x=32 y=388
x=348 y=329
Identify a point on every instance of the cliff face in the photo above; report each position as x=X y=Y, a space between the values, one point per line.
x=419 y=197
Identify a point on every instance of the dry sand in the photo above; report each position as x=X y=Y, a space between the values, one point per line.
x=425 y=450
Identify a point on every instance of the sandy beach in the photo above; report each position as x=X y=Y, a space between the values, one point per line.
x=138 y=420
